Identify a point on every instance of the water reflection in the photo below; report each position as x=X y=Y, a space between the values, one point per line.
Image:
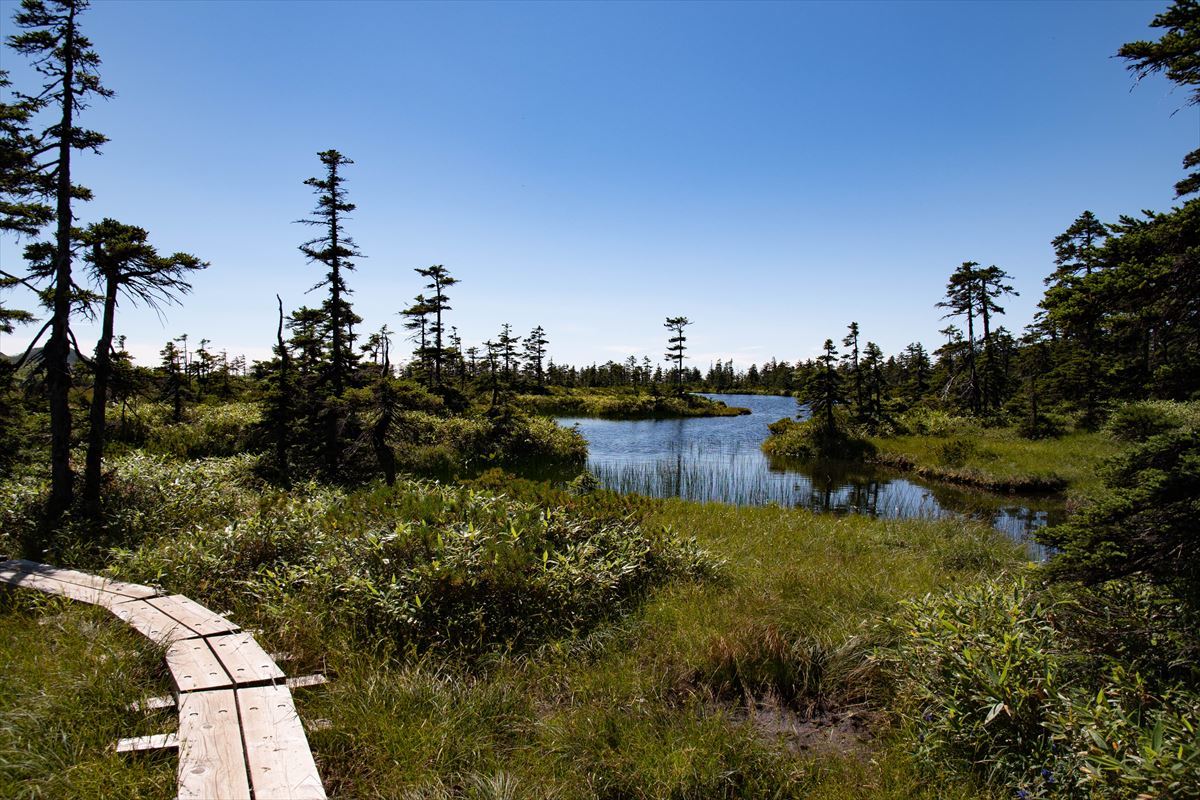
x=719 y=459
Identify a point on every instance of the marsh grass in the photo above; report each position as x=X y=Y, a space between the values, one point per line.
x=69 y=673
x=624 y=404
x=645 y=700
x=650 y=705
x=999 y=459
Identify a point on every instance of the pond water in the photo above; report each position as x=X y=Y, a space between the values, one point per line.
x=720 y=458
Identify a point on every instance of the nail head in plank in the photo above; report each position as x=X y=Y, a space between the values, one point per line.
x=244 y=659
x=203 y=621
x=150 y=622
x=195 y=667
x=159 y=741
x=277 y=753
x=212 y=761
x=131 y=590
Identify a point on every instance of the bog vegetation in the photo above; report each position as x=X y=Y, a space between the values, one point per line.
x=496 y=636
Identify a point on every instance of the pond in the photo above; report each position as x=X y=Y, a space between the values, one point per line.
x=720 y=459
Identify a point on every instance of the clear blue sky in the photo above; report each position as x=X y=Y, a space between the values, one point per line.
x=772 y=171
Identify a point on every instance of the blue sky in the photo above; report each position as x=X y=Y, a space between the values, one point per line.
x=772 y=171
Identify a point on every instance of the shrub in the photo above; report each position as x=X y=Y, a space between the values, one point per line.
x=1136 y=422
x=421 y=564
x=1145 y=522
x=992 y=681
x=814 y=440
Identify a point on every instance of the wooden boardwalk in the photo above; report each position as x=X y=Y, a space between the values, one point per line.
x=239 y=733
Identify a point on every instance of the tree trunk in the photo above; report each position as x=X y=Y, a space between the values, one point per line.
x=103 y=370
x=55 y=353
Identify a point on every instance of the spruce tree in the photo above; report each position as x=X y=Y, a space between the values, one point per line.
x=334 y=250
x=824 y=388
x=64 y=57
x=122 y=262
x=851 y=359
x=676 y=345
x=1177 y=55
x=535 y=354
x=438 y=303
x=962 y=299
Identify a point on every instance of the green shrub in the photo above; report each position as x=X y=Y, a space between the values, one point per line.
x=925 y=421
x=208 y=431
x=814 y=440
x=1136 y=422
x=1143 y=524
x=994 y=681
x=421 y=564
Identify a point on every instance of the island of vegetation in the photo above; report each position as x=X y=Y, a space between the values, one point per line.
x=488 y=635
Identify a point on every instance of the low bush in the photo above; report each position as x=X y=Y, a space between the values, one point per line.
x=421 y=564
x=814 y=440
x=1136 y=422
x=992 y=681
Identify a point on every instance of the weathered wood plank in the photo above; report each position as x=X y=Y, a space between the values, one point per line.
x=277 y=753
x=195 y=616
x=159 y=741
x=151 y=623
x=195 y=667
x=153 y=703
x=49 y=585
x=244 y=659
x=212 y=761
x=130 y=590
x=304 y=681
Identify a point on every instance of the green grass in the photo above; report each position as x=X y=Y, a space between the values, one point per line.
x=999 y=459
x=623 y=404
x=69 y=673
x=654 y=706
x=655 y=699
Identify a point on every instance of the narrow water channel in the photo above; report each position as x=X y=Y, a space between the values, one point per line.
x=720 y=459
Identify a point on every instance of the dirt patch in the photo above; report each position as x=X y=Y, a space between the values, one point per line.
x=843 y=732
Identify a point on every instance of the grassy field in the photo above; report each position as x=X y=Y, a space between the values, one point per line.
x=623 y=404
x=751 y=679
x=1000 y=460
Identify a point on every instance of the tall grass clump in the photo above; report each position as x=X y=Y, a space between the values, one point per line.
x=618 y=404
x=996 y=681
x=421 y=564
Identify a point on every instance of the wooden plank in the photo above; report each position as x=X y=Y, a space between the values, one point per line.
x=159 y=741
x=245 y=661
x=277 y=754
x=153 y=703
x=195 y=616
x=305 y=681
x=49 y=585
x=151 y=623
x=195 y=667
x=212 y=761
x=131 y=590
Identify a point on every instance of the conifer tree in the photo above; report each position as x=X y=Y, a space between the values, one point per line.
x=676 y=345
x=535 y=353
x=1072 y=307
x=851 y=359
x=122 y=262
x=439 y=280
x=506 y=345
x=962 y=300
x=991 y=286
x=64 y=57
x=334 y=250
x=1177 y=55
x=825 y=387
